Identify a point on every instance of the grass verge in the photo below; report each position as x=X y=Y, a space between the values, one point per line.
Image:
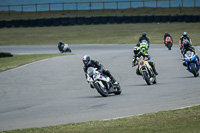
x=19 y=60
x=173 y=121
x=98 y=34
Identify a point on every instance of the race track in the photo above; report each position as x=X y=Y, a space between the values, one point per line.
x=54 y=91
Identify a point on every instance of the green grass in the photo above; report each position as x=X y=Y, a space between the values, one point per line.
x=174 y=121
x=19 y=60
x=98 y=34
x=107 y=12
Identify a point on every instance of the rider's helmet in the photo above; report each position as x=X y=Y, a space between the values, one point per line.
x=184 y=34
x=86 y=60
x=144 y=34
x=136 y=50
x=166 y=33
x=186 y=44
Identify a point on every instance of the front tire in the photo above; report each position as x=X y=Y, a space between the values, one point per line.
x=169 y=45
x=147 y=79
x=193 y=70
x=102 y=91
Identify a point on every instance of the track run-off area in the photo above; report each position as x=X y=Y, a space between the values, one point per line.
x=54 y=91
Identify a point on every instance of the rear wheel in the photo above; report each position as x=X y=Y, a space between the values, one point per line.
x=101 y=90
x=119 y=90
x=147 y=79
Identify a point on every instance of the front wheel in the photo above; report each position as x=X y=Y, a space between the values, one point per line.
x=169 y=45
x=102 y=91
x=193 y=70
x=147 y=79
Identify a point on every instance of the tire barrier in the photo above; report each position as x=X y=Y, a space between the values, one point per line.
x=64 y=21
x=80 y=20
x=17 y=23
x=2 y=54
x=98 y=20
x=104 y=20
x=88 y=21
x=112 y=19
x=125 y=19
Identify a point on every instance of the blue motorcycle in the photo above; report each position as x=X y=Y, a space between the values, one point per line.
x=192 y=63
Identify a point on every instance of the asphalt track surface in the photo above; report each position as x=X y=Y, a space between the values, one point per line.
x=54 y=91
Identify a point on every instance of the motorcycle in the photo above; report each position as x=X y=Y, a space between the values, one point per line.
x=102 y=83
x=192 y=63
x=146 y=70
x=144 y=46
x=168 y=42
x=62 y=47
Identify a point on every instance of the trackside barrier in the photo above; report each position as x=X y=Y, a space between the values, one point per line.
x=98 y=20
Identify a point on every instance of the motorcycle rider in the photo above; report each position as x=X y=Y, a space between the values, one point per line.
x=138 y=54
x=184 y=37
x=63 y=47
x=167 y=35
x=143 y=37
x=92 y=63
x=187 y=47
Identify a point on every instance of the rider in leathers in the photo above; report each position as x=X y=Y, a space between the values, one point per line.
x=167 y=35
x=187 y=47
x=92 y=63
x=143 y=37
x=137 y=54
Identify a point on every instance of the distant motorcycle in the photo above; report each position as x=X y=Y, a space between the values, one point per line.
x=62 y=47
x=168 y=42
x=102 y=83
x=146 y=71
x=192 y=63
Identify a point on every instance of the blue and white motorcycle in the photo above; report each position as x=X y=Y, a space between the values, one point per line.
x=102 y=83
x=192 y=63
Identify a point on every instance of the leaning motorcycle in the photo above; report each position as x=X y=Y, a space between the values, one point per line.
x=168 y=42
x=192 y=63
x=146 y=70
x=62 y=47
x=102 y=83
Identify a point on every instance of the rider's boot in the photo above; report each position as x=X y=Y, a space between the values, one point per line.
x=113 y=80
x=154 y=70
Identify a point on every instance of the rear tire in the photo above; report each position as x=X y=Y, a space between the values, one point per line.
x=146 y=78
x=119 y=90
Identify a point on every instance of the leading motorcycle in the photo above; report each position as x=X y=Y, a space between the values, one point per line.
x=192 y=63
x=102 y=83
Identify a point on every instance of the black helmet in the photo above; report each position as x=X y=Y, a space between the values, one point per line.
x=86 y=60
x=144 y=34
x=184 y=34
x=136 y=50
x=186 y=44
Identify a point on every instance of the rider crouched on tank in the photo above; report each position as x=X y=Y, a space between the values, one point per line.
x=92 y=63
x=183 y=38
x=143 y=37
x=138 y=54
x=186 y=46
x=167 y=35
